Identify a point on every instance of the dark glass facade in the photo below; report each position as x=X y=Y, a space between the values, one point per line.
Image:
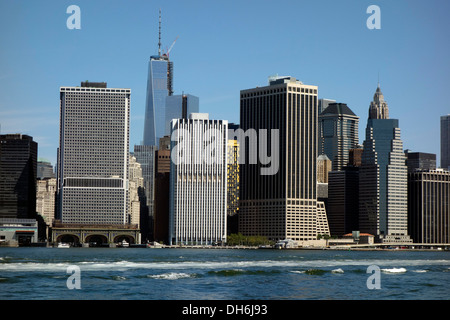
x=420 y=161
x=383 y=181
x=159 y=86
x=343 y=201
x=179 y=107
x=18 y=173
x=338 y=133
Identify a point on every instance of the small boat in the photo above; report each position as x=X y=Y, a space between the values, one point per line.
x=63 y=245
x=124 y=244
x=154 y=244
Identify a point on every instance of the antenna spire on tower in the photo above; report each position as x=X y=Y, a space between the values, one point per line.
x=159 y=42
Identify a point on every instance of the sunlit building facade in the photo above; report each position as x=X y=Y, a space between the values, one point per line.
x=282 y=205
x=383 y=177
x=198 y=181
x=159 y=87
x=93 y=154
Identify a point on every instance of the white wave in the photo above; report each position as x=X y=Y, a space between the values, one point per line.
x=170 y=276
x=394 y=270
x=33 y=266
x=338 y=270
x=296 y=271
x=420 y=271
x=189 y=265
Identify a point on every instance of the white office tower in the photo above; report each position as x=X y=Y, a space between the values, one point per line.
x=198 y=180
x=93 y=155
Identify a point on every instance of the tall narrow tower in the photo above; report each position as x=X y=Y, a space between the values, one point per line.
x=159 y=86
x=383 y=176
x=445 y=142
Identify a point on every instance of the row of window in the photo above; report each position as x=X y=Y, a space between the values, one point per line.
x=86 y=89
x=278 y=90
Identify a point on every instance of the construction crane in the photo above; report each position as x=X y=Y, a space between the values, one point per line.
x=167 y=53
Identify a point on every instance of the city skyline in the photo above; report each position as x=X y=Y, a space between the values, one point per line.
x=236 y=44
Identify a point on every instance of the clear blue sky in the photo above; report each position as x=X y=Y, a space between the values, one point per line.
x=224 y=47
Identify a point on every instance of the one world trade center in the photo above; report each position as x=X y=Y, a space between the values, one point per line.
x=159 y=86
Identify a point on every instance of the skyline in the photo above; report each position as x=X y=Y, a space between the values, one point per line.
x=222 y=48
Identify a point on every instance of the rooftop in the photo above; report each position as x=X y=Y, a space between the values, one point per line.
x=87 y=84
x=338 y=108
x=282 y=79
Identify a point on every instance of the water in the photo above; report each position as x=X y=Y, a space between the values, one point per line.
x=218 y=274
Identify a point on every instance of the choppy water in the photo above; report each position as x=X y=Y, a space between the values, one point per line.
x=216 y=274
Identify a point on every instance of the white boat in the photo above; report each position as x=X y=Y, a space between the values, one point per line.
x=63 y=245
x=124 y=244
x=286 y=243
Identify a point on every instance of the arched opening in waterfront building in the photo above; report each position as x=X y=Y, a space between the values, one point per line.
x=70 y=239
x=120 y=238
x=96 y=240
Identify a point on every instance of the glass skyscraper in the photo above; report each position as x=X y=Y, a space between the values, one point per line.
x=159 y=87
x=179 y=106
x=18 y=167
x=383 y=176
x=338 y=133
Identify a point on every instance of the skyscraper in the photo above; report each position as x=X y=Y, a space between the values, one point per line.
x=46 y=202
x=383 y=176
x=145 y=155
x=18 y=170
x=159 y=86
x=94 y=154
x=233 y=177
x=343 y=200
x=323 y=168
x=162 y=190
x=445 y=142
x=136 y=184
x=44 y=169
x=323 y=104
x=420 y=161
x=179 y=106
x=338 y=133
x=281 y=205
x=198 y=180
x=429 y=206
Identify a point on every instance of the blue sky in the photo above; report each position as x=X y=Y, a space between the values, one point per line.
x=224 y=47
